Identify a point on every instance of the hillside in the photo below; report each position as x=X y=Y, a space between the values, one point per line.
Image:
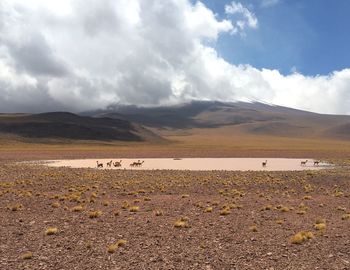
x=63 y=125
x=247 y=118
x=203 y=126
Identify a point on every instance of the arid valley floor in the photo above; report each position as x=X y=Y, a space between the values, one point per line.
x=63 y=218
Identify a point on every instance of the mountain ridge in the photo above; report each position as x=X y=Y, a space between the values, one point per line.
x=66 y=125
x=132 y=123
x=252 y=117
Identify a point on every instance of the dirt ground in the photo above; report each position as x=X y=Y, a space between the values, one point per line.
x=62 y=218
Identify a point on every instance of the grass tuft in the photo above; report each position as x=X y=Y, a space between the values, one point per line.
x=253 y=228
x=95 y=214
x=301 y=237
x=181 y=223
x=113 y=248
x=78 y=208
x=134 y=209
x=225 y=211
x=345 y=216
x=208 y=210
x=28 y=255
x=51 y=231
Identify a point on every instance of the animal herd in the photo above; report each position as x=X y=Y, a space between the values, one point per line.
x=302 y=163
x=117 y=164
x=139 y=163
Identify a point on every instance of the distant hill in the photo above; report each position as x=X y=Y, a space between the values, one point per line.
x=250 y=118
x=65 y=125
x=132 y=123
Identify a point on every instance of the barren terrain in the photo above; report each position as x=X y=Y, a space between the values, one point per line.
x=61 y=218
x=66 y=218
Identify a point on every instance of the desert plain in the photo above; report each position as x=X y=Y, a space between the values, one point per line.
x=79 y=218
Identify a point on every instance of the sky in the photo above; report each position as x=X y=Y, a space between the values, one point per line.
x=310 y=36
x=78 y=55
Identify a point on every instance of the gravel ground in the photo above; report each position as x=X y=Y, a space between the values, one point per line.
x=224 y=220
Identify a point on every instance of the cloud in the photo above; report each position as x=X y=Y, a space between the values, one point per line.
x=34 y=56
x=269 y=3
x=87 y=54
x=249 y=18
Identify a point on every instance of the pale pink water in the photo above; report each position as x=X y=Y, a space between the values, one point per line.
x=197 y=164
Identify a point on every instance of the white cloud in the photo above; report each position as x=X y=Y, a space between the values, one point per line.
x=249 y=19
x=88 y=54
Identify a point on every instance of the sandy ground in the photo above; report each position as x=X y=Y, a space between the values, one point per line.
x=172 y=219
x=194 y=164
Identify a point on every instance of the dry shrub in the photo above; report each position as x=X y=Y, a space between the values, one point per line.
x=51 y=231
x=301 y=237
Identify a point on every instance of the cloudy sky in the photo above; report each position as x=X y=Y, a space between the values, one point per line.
x=79 y=55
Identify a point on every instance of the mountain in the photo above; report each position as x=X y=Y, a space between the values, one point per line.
x=63 y=125
x=249 y=118
x=132 y=123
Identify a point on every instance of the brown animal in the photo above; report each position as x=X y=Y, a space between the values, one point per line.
x=303 y=163
x=133 y=164
x=99 y=165
x=117 y=164
x=109 y=164
x=316 y=163
x=264 y=163
x=139 y=163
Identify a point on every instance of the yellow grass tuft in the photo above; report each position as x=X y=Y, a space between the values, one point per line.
x=345 y=216
x=253 y=228
x=267 y=207
x=15 y=207
x=320 y=226
x=301 y=237
x=134 y=209
x=341 y=208
x=113 y=248
x=208 y=210
x=279 y=221
x=95 y=214
x=28 y=255
x=225 y=211
x=121 y=243
x=181 y=223
x=338 y=194
x=78 y=208
x=320 y=221
x=125 y=205
x=51 y=231
x=284 y=209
